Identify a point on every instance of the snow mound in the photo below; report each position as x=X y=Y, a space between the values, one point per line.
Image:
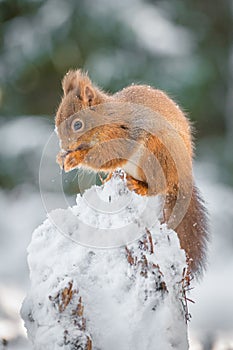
x=108 y=294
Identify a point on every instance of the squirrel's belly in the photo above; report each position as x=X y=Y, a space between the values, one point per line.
x=132 y=165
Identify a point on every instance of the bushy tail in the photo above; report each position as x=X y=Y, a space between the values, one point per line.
x=193 y=232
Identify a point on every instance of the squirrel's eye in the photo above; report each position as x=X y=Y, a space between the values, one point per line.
x=77 y=125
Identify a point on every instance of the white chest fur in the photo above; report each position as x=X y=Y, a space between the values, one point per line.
x=131 y=167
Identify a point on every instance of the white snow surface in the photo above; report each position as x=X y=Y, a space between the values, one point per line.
x=126 y=305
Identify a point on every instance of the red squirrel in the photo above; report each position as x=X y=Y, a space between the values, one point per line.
x=143 y=131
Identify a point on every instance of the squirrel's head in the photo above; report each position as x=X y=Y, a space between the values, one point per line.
x=84 y=121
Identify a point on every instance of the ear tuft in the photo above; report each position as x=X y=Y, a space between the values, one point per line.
x=69 y=81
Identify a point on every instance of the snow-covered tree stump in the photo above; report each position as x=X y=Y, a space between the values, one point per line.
x=92 y=291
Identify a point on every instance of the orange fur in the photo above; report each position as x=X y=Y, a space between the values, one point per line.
x=116 y=132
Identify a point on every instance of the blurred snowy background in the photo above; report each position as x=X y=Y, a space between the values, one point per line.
x=183 y=47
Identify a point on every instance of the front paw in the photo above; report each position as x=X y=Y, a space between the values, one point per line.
x=71 y=160
x=60 y=159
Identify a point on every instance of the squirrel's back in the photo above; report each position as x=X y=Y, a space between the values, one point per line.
x=160 y=103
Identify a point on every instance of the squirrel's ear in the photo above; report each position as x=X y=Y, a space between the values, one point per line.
x=79 y=81
x=88 y=95
x=69 y=82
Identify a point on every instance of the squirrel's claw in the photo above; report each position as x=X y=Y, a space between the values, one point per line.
x=60 y=159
